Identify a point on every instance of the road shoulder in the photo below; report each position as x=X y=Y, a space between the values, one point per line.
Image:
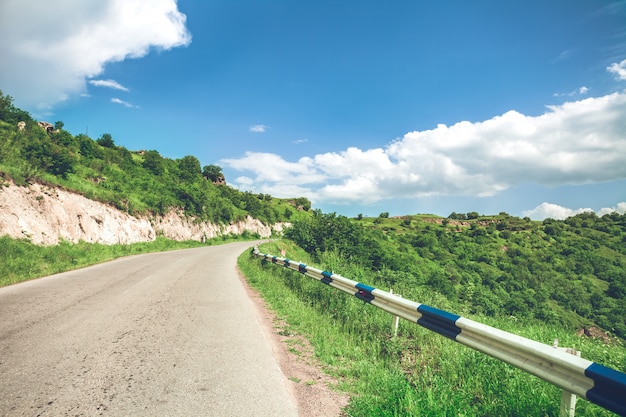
x=308 y=384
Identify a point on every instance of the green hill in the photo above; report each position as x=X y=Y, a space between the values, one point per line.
x=134 y=181
x=570 y=272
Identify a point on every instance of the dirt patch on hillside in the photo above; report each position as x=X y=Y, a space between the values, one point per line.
x=309 y=385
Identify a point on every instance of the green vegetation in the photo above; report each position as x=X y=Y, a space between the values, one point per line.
x=570 y=273
x=133 y=181
x=541 y=280
x=23 y=260
x=417 y=373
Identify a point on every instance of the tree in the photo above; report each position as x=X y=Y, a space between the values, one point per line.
x=62 y=162
x=153 y=162
x=11 y=114
x=457 y=216
x=88 y=148
x=304 y=203
x=58 y=125
x=106 y=140
x=189 y=168
x=384 y=215
x=213 y=173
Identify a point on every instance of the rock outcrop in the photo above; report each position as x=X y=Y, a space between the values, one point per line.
x=47 y=214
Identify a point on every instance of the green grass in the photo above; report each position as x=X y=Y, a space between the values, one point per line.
x=23 y=260
x=418 y=373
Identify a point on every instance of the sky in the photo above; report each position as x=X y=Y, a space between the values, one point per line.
x=364 y=107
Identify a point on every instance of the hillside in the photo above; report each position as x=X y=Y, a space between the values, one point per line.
x=546 y=281
x=570 y=273
x=61 y=186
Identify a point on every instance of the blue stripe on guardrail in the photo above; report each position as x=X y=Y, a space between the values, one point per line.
x=274 y=259
x=327 y=277
x=609 y=388
x=302 y=268
x=364 y=292
x=439 y=321
x=286 y=263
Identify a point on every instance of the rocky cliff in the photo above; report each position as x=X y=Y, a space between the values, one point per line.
x=47 y=214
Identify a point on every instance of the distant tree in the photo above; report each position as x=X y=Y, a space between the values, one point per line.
x=304 y=203
x=62 y=162
x=457 y=216
x=359 y=216
x=106 y=140
x=212 y=173
x=153 y=162
x=384 y=215
x=189 y=167
x=64 y=138
x=58 y=125
x=472 y=215
x=11 y=114
x=88 y=148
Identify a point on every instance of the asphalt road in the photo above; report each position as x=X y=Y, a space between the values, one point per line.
x=167 y=334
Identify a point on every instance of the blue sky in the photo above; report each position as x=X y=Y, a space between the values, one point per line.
x=361 y=106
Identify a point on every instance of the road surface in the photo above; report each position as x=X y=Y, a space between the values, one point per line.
x=167 y=334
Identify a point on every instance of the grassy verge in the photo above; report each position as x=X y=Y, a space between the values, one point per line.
x=22 y=260
x=418 y=373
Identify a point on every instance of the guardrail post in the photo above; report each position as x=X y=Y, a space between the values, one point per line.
x=395 y=322
x=568 y=400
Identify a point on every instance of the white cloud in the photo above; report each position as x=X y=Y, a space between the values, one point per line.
x=573 y=143
x=563 y=55
x=244 y=181
x=618 y=69
x=580 y=91
x=123 y=103
x=299 y=141
x=619 y=208
x=108 y=84
x=48 y=52
x=554 y=211
x=259 y=128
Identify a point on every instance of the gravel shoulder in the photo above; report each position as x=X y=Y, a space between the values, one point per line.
x=309 y=385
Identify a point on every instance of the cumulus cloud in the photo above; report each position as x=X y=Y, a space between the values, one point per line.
x=573 y=143
x=553 y=211
x=108 y=84
x=618 y=69
x=619 y=208
x=49 y=52
x=258 y=128
x=122 y=102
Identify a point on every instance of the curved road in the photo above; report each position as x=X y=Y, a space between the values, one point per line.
x=167 y=334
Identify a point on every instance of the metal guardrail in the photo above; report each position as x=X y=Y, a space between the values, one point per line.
x=596 y=383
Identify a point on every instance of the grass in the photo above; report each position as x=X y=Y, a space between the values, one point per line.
x=23 y=260
x=418 y=373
